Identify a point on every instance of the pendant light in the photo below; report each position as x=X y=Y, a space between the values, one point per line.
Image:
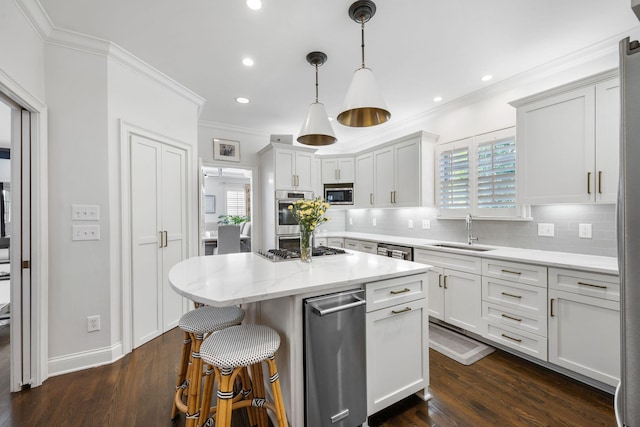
x=316 y=129
x=363 y=106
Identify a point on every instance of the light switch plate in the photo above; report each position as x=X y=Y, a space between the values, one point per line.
x=373 y=222
x=410 y=223
x=350 y=221
x=546 y=230
x=85 y=212
x=85 y=232
x=584 y=231
x=426 y=224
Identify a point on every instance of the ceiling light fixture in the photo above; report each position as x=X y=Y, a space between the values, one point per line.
x=248 y=62
x=486 y=78
x=437 y=99
x=316 y=129
x=363 y=106
x=242 y=100
x=254 y=4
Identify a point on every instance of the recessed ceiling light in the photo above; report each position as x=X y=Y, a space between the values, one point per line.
x=248 y=62
x=242 y=100
x=254 y=4
x=486 y=78
x=437 y=99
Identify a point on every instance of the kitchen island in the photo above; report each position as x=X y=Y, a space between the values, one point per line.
x=272 y=293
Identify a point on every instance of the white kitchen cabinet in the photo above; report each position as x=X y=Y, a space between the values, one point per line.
x=316 y=178
x=338 y=170
x=293 y=169
x=397 y=341
x=397 y=174
x=336 y=242
x=158 y=230
x=363 y=185
x=579 y=122
x=361 y=245
x=584 y=323
x=454 y=288
x=584 y=335
x=319 y=241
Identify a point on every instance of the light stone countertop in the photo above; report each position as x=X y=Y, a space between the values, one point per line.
x=230 y=279
x=592 y=263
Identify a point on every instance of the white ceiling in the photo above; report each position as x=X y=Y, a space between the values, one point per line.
x=417 y=49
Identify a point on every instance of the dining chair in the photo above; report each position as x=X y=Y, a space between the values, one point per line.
x=228 y=239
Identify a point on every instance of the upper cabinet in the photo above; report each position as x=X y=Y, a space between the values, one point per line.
x=398 y=174
x=338 y=170
x=293 y=169
x=568 y=143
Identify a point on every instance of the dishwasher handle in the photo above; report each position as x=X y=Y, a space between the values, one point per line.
x=322 y=311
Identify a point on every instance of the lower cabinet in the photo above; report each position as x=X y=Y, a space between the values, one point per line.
x=397 y=340
x=584 y=330
x=454 y=295
x=361 y=245
x=334 y=242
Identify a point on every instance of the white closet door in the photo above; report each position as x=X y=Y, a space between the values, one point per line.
x=146 y=260
x=173 y=213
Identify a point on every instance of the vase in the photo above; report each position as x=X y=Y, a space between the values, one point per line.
x=306 y=244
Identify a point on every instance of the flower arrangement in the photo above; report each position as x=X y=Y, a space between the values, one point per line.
x=309 y=214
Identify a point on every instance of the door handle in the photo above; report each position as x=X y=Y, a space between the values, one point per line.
x=551 y=309
x=588 y=182
x=439 y=280
x=371 y=198
x=445 y=282
x=161 y=242
x=599 y=182
x=166 y=239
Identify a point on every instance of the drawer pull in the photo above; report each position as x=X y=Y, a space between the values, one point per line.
x=510 y=317
x=400 y=292
x=551 y=308
x=511 y=295
x=511 y=338
x=592 y=285
x=439 y=280
x=511 y=272
x=404 y=310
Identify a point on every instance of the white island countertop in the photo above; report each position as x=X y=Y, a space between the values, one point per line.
x=241 y=278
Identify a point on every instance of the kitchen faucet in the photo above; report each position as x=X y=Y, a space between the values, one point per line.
x=470 y=237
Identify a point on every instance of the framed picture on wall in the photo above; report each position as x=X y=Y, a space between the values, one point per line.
x=226 y=149
x=209 y=204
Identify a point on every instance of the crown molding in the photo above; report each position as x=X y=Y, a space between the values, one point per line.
x=37 y=17
x=232 y=128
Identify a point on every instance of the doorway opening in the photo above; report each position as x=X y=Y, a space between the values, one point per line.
x=5 y=239
x=227 y=198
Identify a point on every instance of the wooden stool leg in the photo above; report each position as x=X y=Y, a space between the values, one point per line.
x=274 y=379
x=259 y=394
x=247 y=394
x=181 y=383
x=225 y=397
x=207 y=394
x=195 y=381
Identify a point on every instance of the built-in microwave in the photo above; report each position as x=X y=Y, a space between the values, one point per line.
x=338 y=194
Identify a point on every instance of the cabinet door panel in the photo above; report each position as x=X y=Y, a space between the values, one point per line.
x=329 y=171
x=383 y=169
x=303 y=170
x=584 y=335
x=347 y=170
x=397 y=361
x=284 y=169
x=550 y=132
x=407 y=174
x=363 y=187
x=436 y=293
x=607 y=141
x=462 y=302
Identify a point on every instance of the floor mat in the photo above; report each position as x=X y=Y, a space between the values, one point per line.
x=456 y=346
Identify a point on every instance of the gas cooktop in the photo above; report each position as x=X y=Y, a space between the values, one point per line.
x=289 y=254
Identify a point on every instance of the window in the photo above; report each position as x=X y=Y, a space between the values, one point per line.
x=236 y=203
x=455 y=194
x=478 y=175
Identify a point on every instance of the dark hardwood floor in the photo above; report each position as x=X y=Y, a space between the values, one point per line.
x=499 y=390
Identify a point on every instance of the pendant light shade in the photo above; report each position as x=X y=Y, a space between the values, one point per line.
x=316 y=129
x=364 y=105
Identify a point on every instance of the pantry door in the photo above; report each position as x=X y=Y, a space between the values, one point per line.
x=158 y=231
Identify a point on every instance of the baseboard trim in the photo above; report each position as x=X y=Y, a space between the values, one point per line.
x=84 y=360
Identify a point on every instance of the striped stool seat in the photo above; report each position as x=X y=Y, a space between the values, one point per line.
x=230 y=352
x=197 y=325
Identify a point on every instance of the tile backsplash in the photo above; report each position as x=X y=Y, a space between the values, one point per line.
x=524 y=234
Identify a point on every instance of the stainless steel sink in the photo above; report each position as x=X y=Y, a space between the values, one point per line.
x=463 y=247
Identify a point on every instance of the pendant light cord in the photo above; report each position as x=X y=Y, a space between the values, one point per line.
x=316 y=65
x=362 y=46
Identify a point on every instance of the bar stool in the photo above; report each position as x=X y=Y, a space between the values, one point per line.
x=230 y=352
x=197 y=325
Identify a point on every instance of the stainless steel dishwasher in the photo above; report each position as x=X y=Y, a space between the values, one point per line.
x=335 y=360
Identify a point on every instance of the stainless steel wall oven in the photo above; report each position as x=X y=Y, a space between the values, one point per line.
x=286 y=223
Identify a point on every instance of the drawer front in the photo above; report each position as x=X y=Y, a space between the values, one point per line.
x=531 y=344
x=525 y=298
x=468 y=264
x=596 y=285
x=516 y=272
x=351 y=244
x=336 y=242
x=368 y=247
x=522 y=321
x=395 y=291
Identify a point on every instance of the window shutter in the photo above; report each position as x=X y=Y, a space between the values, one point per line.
x=496 y=176
x=236 y=203
x=454 y=179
